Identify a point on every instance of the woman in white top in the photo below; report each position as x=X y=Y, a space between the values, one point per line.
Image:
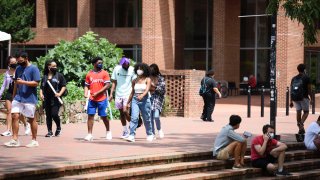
x=139 y=100
x=312 y=132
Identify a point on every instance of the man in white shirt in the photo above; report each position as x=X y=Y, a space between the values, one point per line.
x=312 y=131
x=121 y=78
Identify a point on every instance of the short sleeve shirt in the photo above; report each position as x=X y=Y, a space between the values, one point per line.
x=124 y=80
x=27 y=94
x=312 y=131
x=259 y=141
x=57 y=81
x=96 y=81
x=211 y=83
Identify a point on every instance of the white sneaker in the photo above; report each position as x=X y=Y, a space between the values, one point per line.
x=130 y=138
x=27 y=129
x=150 y=138
x=6 y=133
x=109 y=135
x=89 y=137
x=12 y=143
x=125 y=134
x=33 y=143
x=161 y=134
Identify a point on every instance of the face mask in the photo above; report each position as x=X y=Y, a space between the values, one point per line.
x=24 y=63
x=53 y=70
x=271 y=135
x=139 y=72
x=13 y=66
x=99 y=66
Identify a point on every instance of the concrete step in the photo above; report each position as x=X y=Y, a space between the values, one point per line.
x=191 y=168
x=303 y=166
x=313 y=174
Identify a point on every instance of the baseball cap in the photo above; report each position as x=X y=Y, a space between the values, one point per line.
x=124 y=60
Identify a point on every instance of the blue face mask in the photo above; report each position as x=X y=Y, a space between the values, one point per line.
x=99 y=66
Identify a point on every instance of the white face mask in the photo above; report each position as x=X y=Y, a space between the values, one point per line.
x=271 y=135
x=139 y=72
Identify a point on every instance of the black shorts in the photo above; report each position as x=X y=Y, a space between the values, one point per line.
x=263 y=162
x=8 y=96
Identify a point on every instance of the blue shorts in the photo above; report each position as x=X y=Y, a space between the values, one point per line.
x=101 y=105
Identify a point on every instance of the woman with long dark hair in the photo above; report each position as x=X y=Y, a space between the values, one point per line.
x=6 y=92
x=50 y=99
x=139 y=100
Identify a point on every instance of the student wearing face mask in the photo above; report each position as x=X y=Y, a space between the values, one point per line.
x=97 y=81
x=50 y=99
x=26 y=80
x=121 y=78
x=266 y=151
x=139 y=100
x=6 y=91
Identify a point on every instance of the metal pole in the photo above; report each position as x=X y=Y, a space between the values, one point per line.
x=287 y=102
x=313 y=102
x=249 y=102
x=273 y=72
x=262 y=101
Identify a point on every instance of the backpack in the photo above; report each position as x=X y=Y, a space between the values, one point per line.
x=297 y=91
x=203 y=88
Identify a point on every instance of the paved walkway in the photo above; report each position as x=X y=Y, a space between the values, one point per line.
x=181 y=134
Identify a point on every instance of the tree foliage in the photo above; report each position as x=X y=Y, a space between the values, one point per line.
x=74 y=57
x=307 y=12
x=16 y=18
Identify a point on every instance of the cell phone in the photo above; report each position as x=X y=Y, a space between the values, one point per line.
x=247 y=134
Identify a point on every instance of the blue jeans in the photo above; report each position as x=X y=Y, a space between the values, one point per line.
x=143 y=106
x=155 y=116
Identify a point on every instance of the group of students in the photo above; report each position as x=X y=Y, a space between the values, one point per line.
x=266 y=152
x=140 y=89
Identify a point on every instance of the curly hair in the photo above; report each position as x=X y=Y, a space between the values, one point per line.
x=144 y=67
x=94 y=60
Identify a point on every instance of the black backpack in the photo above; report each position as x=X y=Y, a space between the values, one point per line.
x=203 y=88
x=297 y=90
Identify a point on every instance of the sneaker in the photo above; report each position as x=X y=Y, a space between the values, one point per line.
x=12 y=143
x=50 y=134
x=283 y=173
x=27 y=129
x=58 y=132
x=161 y=134
x=125 y=134
x=237 y=167
x=109 y=135
x=33 y=143
x=302 y=131
x=89 y=137
x=6 y=133
x=130 y=138
x=150 y=138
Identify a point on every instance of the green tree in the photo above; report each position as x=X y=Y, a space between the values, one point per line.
x=74 y=57
x=16 y=18
x=307 y=12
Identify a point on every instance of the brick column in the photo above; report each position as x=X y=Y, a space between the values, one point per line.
x=41 y=15
x=158 y=33
x=290 y=53
x=83 y=16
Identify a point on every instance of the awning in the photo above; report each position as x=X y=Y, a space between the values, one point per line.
x=6 y=37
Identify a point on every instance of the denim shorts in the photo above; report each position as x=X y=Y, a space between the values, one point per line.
x=302 y=105
x=101 y=105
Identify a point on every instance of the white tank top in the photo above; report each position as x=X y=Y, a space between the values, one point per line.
x=140 y=88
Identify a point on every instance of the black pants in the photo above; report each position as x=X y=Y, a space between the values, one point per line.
x=52 y=112
x=209 y=103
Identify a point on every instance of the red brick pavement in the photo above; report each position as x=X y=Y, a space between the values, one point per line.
x=181 y=135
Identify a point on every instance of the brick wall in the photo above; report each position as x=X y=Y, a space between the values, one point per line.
x=158 y=33
x=182 y=90
x=290 y=53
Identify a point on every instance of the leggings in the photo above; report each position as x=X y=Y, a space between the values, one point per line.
x=52 y=112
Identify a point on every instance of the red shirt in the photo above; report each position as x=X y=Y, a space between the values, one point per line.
x=96 y=81
x=271 y=144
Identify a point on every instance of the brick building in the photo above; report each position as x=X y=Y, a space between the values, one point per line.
x=183 y=35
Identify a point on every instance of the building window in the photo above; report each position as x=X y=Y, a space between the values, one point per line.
x=198 y=37
x=255 y=41
x=312 y=61
x=132 y=51
x=117 y=13
x=34 y=17
x=62 y=13
x=34 y=51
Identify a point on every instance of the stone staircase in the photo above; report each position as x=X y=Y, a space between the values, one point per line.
x=192 y=165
